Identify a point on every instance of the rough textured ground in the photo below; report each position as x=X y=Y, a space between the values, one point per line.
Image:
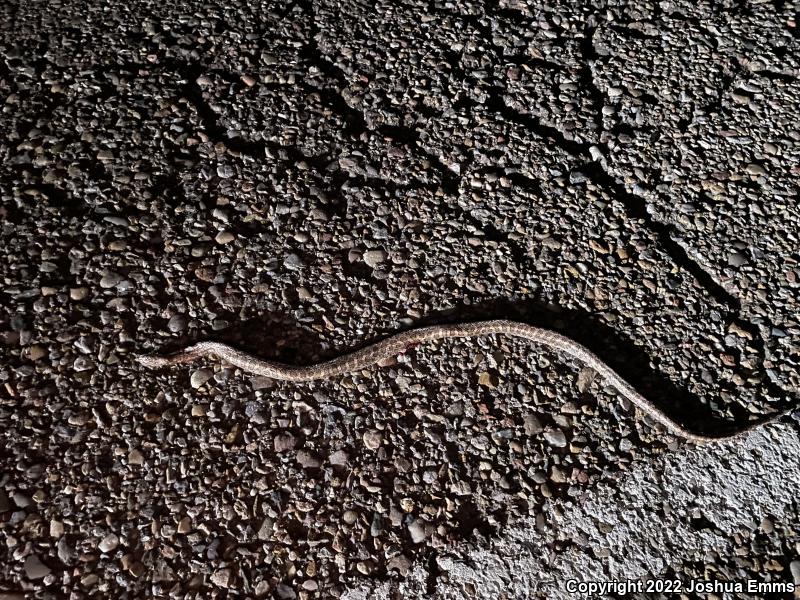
x=300 y=178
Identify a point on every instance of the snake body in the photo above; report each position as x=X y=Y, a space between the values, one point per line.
x=396 y=344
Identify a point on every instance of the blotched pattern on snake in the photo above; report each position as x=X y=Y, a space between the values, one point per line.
x=396 y=344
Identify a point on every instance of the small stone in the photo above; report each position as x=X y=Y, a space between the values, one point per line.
x=555 y=437
x=66 y=553
x=284 y=442
x=365 y=567
x=78 y=293
x=293 y=262
x=185 y=525
x=373 y=439
x=339 y=458
x=233 y=434
x=177 y=323
x=199 y=410
x=222 y=578
x=417 y=531
x=585 y=378
x=110 y=280
x=794 y=567
x=35 y=568
x=135 y=457
x=136 y=569
x=266 y=529
x=56 y=528
x=532 y=425
x=308 y=459
x=310 y=585
x=767 y=526
x=224 y=237
x=756 y=169
x=21 y=500
x=225 y=171
x=737 y=259
x=400 y=563
x=248 y=81
x=350 y=517
x=199 y=377
x=82 y=363
x=36 y=352
x=110 y=542
x=488 y=380
x=557 y=475
x=284 y=592
x=373 y=258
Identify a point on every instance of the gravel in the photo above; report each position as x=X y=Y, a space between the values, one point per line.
x=299 y=179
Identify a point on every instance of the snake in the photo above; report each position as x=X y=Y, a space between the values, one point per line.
x=390 y=347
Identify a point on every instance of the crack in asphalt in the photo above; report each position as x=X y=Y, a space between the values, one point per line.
x=450 y=182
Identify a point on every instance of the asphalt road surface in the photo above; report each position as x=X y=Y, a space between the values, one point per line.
x=300 y=178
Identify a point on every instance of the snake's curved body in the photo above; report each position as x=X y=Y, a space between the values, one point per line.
x=396 y=344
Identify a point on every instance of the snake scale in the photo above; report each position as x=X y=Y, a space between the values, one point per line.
x=397 y=344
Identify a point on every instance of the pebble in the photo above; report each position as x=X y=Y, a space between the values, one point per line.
x=374 y=258
x=222 y=578
x=37 y=352
x=284 y=592
x=224 y=237
x=308 y=459
x=365 y=567
x=555 y=437
x=767 y=526
x=737 y=259
x=225 y=171
x=35 y=568
x=185 y=525
x=266 y=529
x=284 y=442
x=339 y=458
x=372 y=439
x=66 y=553
x=488 y=380
x=400 y=563
x=794 y=567
x=417 y=531
x=56 y=528
x=293 y=262
x=78 y=294
x=111 y=541
x=532 y=425
x=111 y=279
x=200 y=377
x=177 y=323
x=135 y=457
